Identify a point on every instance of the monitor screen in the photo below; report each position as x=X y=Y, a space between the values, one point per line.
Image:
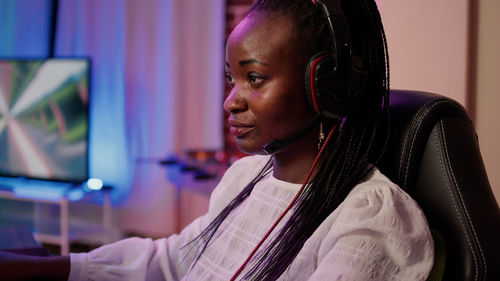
x=44 y=118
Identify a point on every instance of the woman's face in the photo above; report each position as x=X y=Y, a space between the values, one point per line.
x=266 y=73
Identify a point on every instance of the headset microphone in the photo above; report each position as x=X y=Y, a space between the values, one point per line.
x=278 y=144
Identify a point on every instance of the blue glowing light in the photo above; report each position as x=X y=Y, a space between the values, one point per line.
x=94 y=183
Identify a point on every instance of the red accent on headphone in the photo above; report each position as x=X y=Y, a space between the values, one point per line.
x=311 y=81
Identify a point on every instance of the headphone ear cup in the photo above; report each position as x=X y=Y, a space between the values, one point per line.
x=319 y=65
x=330 y=91
x=311 y=79
x=309 y=91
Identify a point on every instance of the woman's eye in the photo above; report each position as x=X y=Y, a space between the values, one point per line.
x=230 y=80
x=255 y=80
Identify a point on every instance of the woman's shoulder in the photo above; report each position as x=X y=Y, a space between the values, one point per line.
x=378 y=199
x=377 y=185
x=381 y=224
x=379 y=208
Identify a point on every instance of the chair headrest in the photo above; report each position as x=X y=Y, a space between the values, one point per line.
x=412 y=116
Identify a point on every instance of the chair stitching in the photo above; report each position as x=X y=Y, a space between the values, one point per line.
x=436 y=143
x=413 y=137
x=463 y=203
x=401 y=161
x=427 y=109
x=418 y=127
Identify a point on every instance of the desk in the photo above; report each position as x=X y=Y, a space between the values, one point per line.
x=62 y=199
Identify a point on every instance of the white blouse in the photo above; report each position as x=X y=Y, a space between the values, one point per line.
x=377 y=233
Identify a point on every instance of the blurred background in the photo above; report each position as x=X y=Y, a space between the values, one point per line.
x=156 y=131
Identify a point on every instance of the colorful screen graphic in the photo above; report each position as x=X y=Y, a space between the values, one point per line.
x=44 y=118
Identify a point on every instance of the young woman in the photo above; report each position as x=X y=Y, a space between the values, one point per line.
x=310 y=205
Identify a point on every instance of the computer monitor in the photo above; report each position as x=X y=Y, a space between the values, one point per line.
x=44 y=118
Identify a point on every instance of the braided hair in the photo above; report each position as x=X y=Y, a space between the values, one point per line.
x=351 y=149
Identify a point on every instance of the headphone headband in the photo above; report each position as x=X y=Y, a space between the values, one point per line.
x=341 y=40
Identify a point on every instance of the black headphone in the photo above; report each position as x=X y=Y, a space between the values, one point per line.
x=334 y=77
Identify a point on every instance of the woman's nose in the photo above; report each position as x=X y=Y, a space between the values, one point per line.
x=234 y=101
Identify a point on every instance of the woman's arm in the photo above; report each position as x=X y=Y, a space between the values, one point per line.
x=24 y=267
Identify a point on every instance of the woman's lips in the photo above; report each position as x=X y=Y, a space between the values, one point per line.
x=239 y=129
x=239 y=132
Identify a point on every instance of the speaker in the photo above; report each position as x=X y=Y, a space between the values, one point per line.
x=334 y=77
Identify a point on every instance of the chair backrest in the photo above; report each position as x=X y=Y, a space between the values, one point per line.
x=433 y=154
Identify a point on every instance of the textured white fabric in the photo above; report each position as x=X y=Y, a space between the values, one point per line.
x=377 y=233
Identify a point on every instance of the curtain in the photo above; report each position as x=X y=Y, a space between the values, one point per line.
x=96 y=29
x=25 y=28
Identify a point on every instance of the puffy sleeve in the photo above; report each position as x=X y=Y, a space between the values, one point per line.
x=169 y=258
x=379 y=233
x=138 y=258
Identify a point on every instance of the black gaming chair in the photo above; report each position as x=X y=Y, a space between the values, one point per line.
x=433 y=154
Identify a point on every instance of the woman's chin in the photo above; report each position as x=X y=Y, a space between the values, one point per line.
x=249 y=148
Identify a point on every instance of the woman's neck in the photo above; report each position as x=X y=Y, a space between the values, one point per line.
x=293 y=163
